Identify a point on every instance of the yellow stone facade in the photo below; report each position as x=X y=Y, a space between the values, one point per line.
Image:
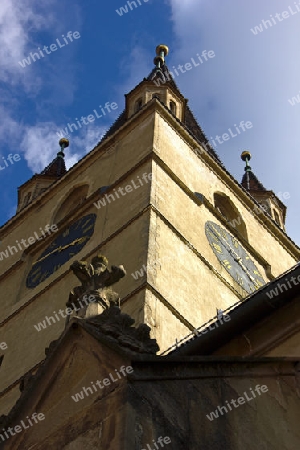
x=158 y=226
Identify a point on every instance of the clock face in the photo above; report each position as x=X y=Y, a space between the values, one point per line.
x=64 y=247
x=233 y=257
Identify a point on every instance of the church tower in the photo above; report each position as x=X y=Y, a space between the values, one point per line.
x=154 y=197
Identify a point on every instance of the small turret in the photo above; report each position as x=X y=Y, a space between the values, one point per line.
x=40 y=182
x=269 y=202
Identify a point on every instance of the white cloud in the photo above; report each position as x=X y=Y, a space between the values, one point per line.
x=18 y=22
x=10 y=130
x=40 y=144
x=21 y=23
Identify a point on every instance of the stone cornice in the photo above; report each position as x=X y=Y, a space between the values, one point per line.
x=194 y=367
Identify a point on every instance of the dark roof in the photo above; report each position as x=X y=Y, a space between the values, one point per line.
x=251 y=183
x=57 y=168
x=189 y=119
x=165 y=76
x=195 y=129
x=190 y=123
x=115 y=126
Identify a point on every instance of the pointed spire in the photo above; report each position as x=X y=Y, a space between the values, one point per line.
x=161 y=70
x=57 y=167
x=270 y=204
x=156 y=84
x=249 y=181
x=42 y=181
x=159 y=60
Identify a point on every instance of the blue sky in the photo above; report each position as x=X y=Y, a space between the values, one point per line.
x=251 y=78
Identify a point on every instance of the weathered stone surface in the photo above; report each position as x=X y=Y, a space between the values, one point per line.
x=174 y=400
x=96 y=420
x=95 y=281
x=162 y=397
x=119 y=326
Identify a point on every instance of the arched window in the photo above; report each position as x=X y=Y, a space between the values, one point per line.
x=27 y=199
x=264 y=204
x=138 y=105
x=42 y=190
x=173 y=107
x=73 y=200
x=229 y=211
x=276 y=217
x=156 y=94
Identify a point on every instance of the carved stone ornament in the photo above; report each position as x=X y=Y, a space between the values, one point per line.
x=119 y=327
x=94 y=295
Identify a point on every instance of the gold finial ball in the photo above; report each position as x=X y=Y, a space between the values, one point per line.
x=246 y=155
x=162 y=48
x=64 y=141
